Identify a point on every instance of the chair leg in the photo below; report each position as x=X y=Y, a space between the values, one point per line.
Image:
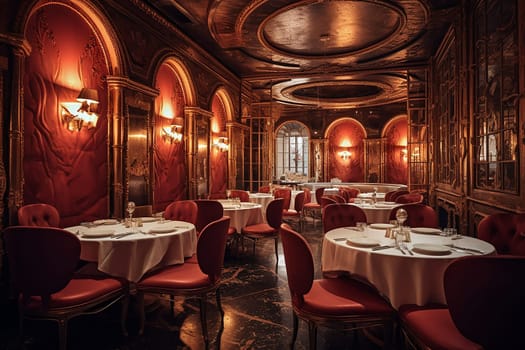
x=276 y=243
x=295 y=328
x=142 y=312
x=62 y=334
x=172 y=306
x=124 y=315
x=218 y=298
x=312 y=335
x=204 y=325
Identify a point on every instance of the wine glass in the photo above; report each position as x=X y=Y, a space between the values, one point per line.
x=401 y=216
x=130 y=209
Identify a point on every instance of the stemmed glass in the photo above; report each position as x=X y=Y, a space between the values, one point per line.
x=401 y=216
x=130 y=209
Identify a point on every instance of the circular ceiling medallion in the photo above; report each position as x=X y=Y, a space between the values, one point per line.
x=354 y=27
x=333 y=92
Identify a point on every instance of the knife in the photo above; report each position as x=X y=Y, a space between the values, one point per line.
x=120 y=235
x=381 y=247
x=468 y=249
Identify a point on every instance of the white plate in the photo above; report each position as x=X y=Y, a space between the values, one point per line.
x=97 y=233
x=430 y=249
x=382 y=226
x=106 y=222
x=426 y=230
x=362 y=242
x=148 y=219
x=162 y=229
x=383 y=206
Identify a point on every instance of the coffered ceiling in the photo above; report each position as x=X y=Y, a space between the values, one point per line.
x=317 y=55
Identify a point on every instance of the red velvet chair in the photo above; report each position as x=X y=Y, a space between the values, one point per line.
x=342 y=215
x=505 y=231
x=485 y=300
x=312 y=208
x=348 y=193
x=392 y=195
x=42 y=262
x=185 y=210
x=264 y=189
x=419 y=215
x=39 y=214
x=207 y=211
x=297 y=211
x=244 y=196
x=268 y=229
x=327 y=200
x=341 y=303
x=409 y=198
x=286 y=194
x=192 y=280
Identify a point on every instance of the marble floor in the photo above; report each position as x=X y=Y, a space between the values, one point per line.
x=255 y=299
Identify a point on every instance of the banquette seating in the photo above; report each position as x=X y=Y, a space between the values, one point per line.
x=38 y=214
x=485 y=301
x=505 y=231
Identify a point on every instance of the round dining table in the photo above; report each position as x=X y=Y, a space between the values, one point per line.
x=412 y=276
x=261 y=198
x=129 y=253
x=378 y=212
x=242 y=214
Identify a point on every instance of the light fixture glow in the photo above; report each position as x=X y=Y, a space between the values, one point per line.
x=76 y=115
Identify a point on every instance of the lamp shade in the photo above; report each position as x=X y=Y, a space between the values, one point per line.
x=88 y=96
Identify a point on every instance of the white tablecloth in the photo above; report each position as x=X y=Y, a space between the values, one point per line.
x=380 y=196
x=130 y=257
x=377 y=213
x=401 y=278
x=246 y=214
x=263 y=199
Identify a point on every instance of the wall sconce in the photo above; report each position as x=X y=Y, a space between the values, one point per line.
x=222 y=144
x=172 y=133
x=82 y=113
x=345 y=155
x=403 y=154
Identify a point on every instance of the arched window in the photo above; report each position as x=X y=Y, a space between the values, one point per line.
x=291 y=147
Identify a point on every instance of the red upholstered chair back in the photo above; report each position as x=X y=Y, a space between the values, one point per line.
x=419 y=215
x=264 y=189
x=274 y=213
x=182 y=211
x=505 y=231
x=409 y=198
x=392 y=195
x=299 y=262
x=42 y=260
x=39 y=214
x=299 y=202
x=218 y=195
x=207 y=211
x=341 y=215
x=337 y=198
x=307 y=195
x=318 y=194
x=244 y=196
x=326 y=200
x=211 y=247
x=348 y=192
x=285 y=194
x=486 y=299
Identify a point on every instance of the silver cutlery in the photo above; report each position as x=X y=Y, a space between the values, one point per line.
x=401 y=250
x=474 y=250
x=120 y=235
x=339 y=239
x=381 y=247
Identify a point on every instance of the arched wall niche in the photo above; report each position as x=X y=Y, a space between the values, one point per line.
x=395 y=134
x=73 y=47
x=345 y=150
x=169 y=158
x=222 y=110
